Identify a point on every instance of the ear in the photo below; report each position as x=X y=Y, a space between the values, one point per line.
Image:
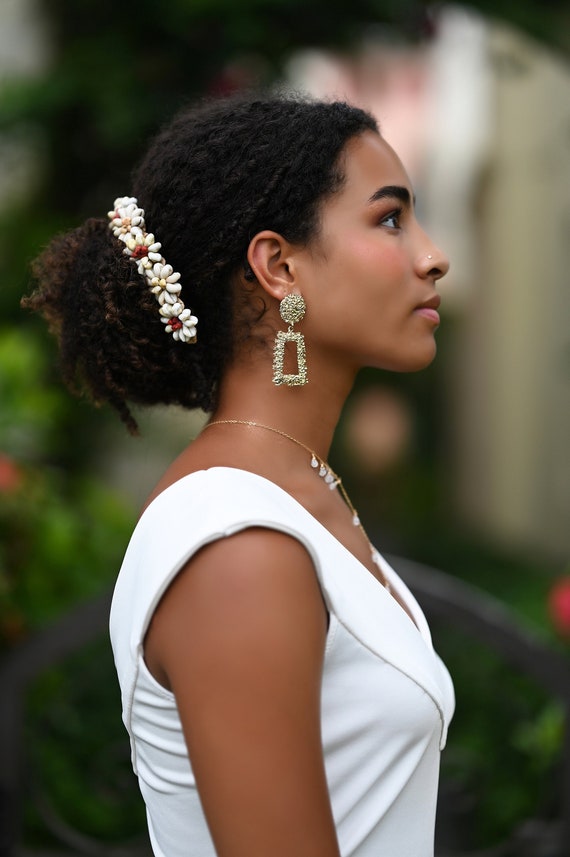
x=271 y=259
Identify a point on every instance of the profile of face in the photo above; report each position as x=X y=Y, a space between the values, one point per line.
x=369 y=277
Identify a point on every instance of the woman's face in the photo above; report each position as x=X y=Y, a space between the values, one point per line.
x=369 y=278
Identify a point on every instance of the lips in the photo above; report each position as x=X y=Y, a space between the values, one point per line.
x=433 y=303
x=429 y=309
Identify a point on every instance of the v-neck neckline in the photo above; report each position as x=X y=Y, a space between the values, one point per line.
x=411 y=610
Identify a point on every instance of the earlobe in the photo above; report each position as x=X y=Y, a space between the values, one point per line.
x=269 y=257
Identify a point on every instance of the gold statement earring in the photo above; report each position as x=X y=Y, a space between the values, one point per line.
x=292 y=309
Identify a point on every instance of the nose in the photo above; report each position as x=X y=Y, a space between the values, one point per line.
x=433 y=263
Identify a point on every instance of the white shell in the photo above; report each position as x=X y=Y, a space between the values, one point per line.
x=127 y=225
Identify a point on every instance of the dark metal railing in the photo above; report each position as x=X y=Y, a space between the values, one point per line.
x=46 y=649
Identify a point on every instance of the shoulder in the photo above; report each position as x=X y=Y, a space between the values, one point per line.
x=228 y=526
x=252 y=592
x=207 y=506
x=232 y=490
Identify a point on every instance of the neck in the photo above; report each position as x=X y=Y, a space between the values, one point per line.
x=309 y=413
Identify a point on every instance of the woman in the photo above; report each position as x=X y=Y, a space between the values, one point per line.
x=278 y=679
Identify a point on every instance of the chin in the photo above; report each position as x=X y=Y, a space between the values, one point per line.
x=415 y=362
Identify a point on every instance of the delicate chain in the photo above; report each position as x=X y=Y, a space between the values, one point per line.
x=324 y=470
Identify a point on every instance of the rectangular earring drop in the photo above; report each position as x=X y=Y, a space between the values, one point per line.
x=291 y=309
x=298 y=380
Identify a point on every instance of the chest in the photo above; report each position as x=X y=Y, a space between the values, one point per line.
x=371 y=704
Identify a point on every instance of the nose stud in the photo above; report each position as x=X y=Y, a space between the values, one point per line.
x=430 y=257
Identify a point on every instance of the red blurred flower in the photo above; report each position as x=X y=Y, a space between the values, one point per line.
x=559 y=606
x=10 y=474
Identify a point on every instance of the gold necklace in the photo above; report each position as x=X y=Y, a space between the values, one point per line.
x=324 y=471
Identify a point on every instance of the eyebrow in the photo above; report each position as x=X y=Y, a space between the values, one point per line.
x=392 y=192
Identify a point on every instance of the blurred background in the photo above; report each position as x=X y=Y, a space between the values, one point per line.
x=465 y=467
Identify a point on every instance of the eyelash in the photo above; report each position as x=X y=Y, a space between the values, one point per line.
x=396 y=214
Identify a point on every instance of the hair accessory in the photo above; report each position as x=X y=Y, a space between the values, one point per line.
x=292 y=309
x=127 y=224
x=325 y=472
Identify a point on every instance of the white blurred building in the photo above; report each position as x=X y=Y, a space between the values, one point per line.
x=512 y=384
x=24 y=54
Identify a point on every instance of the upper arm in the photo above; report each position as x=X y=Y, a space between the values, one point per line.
x=240 y=637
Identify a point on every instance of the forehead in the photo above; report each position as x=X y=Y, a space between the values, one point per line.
x=369 y=163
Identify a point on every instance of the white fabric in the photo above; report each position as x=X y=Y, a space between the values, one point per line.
x=386 y=697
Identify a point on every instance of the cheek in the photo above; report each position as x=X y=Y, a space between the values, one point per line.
x=391 y=263
x=381 y=265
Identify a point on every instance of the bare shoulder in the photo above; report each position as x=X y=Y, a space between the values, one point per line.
x=256 y=585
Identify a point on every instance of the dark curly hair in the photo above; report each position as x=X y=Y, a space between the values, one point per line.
x=215 y=176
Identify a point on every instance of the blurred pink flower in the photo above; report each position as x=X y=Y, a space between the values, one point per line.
x=10 y=474
x=559 y=606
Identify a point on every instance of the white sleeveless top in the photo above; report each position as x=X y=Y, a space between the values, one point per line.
x=386 y=697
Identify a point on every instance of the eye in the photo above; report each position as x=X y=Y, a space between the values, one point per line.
x=392 y=220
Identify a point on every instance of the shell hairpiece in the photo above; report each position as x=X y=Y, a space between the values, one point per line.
x=127 y=224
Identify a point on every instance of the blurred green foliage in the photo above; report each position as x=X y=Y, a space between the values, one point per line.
x=61 y=531
x=502 y=762
x=116 y=72
x=90 y=789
